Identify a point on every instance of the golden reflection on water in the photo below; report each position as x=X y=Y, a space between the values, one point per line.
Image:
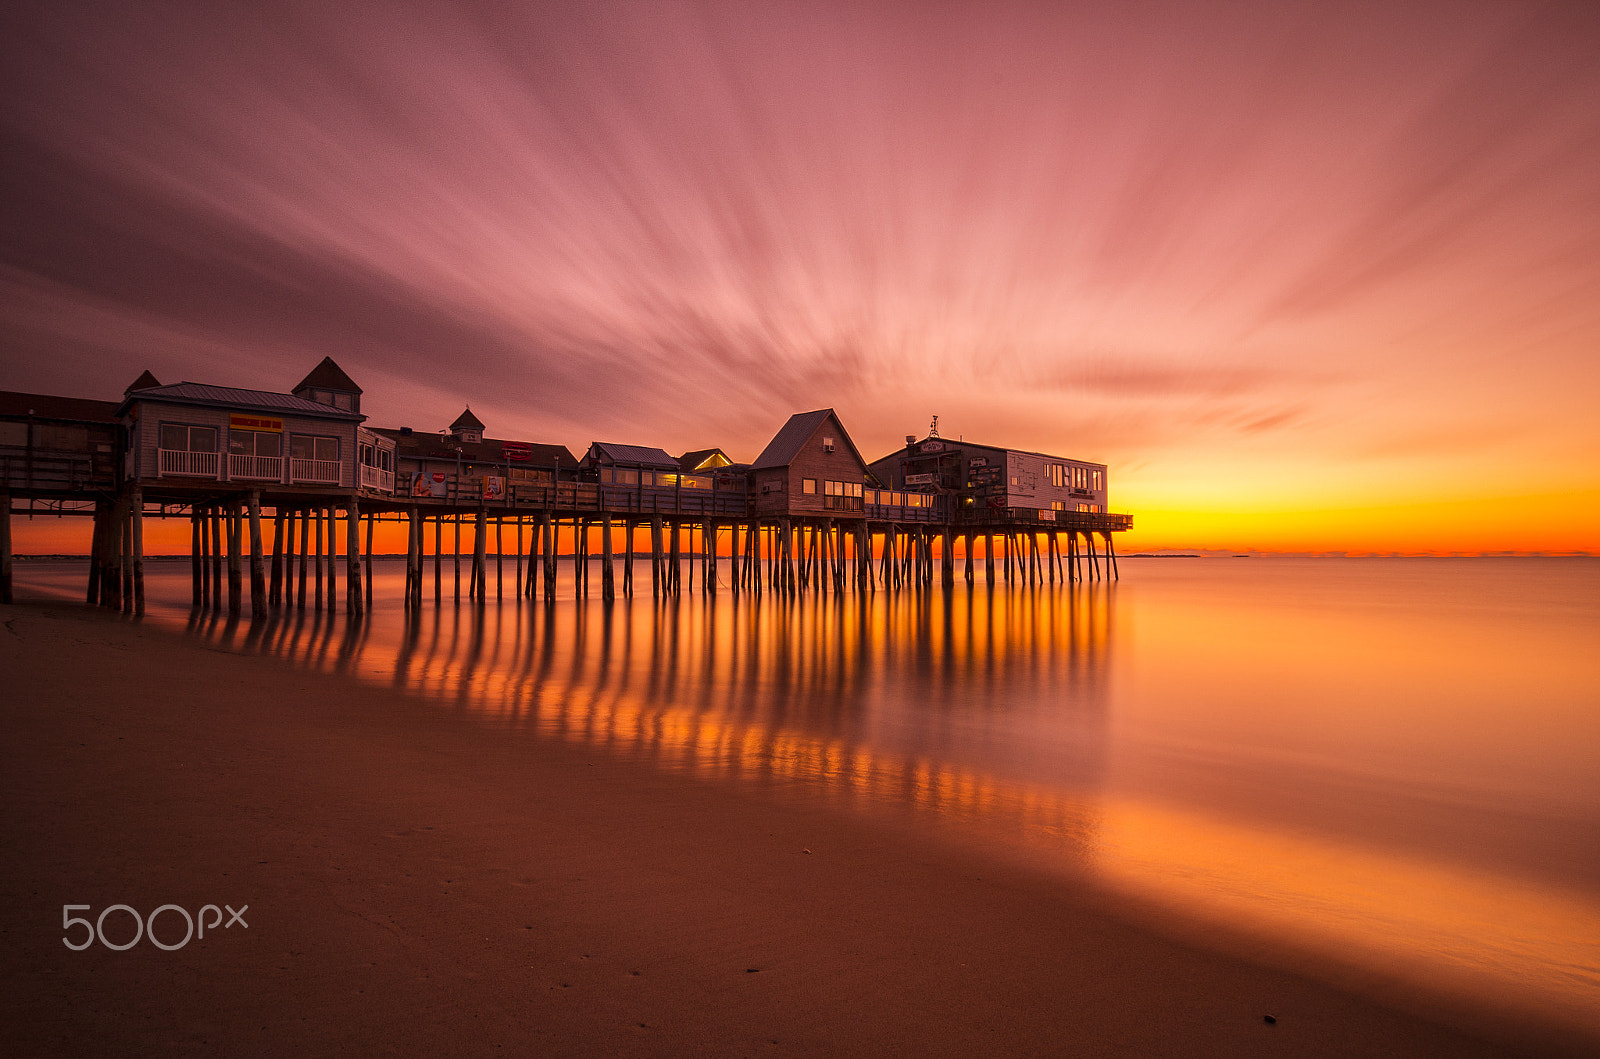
x=1033 y=717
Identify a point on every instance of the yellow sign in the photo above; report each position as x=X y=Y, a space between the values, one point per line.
x=255 y=423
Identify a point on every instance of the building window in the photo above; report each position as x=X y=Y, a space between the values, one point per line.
x=344 y=400
x=306 y=447
x=1097 y=479
x=255 y=443
x=1083 y=507
x=808 y=485
x=1058 y=505
x=1058 y=475
x=179 y=438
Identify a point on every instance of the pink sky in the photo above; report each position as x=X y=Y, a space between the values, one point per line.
x=1281 y=266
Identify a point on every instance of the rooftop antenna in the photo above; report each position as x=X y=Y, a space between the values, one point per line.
x=933 y=428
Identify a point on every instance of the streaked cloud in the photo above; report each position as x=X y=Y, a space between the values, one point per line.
x=1240 y=230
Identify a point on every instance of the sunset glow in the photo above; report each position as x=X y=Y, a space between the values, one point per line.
x=1309 y=277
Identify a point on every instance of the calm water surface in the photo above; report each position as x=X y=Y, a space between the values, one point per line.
x=1389 y=761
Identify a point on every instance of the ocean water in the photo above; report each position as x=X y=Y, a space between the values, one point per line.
x=1393 y=763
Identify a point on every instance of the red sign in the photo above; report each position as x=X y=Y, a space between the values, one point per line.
x=516 y=450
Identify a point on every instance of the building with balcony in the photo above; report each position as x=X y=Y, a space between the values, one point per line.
x=192 y=436
x=810 y=468
x=460 y=463
x=59 y=447
x=986 y=482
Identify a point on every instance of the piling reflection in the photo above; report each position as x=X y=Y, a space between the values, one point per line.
x=893 y=701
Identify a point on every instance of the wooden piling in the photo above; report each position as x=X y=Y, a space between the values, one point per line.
x=368 y=583
x=258 y=570
x=305 y=538
x=499 y=557
x=655 y=556
x=110 y=571
x=125 y=556
x=552 y=552
x=480 y=551
x=608 y=586
x=352 y=548
x=315 y=515
x=5 y=547
x=628 y=527
x=275 y=584
x=708 y=541
x=332 y=514
x=581 y=555
x=195 y=579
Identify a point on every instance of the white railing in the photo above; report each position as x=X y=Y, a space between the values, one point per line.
x=324 y=472
x=377 y=478
x=268 y=468
x=198 y=464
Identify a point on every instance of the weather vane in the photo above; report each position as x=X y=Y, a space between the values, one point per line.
x=933 y=428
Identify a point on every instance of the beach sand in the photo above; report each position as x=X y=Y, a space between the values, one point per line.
x=420 y=883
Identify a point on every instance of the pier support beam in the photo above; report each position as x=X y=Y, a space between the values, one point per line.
x=675 y=562
x=275 y=588
x=608 y=584
x=258 y=572
x=480 y=551
x=352 y=548
x=195 y=563
x=5 y=547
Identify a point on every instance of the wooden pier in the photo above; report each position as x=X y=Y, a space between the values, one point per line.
x=286 y=494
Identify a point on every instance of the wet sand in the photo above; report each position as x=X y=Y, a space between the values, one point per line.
x=419 y=883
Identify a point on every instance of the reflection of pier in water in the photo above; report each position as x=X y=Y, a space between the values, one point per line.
x=970 y=703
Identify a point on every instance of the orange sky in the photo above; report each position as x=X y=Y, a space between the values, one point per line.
x=1307 y=277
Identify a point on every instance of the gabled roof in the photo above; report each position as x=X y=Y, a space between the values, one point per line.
x=144 y=382
x=15 y=405
x=691 y=461
x=786 y=443
x=256 y=400
x=466 y=421
x=328 y=376
x=635 y=455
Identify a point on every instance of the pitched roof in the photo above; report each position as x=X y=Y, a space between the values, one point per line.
x=636 y=455
x=466 y=421
x=328 y=376
x=15 y=405
x=256 y=400
x=691 y=461
x=143 y=382
x=786 y=443
x=425 y=446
